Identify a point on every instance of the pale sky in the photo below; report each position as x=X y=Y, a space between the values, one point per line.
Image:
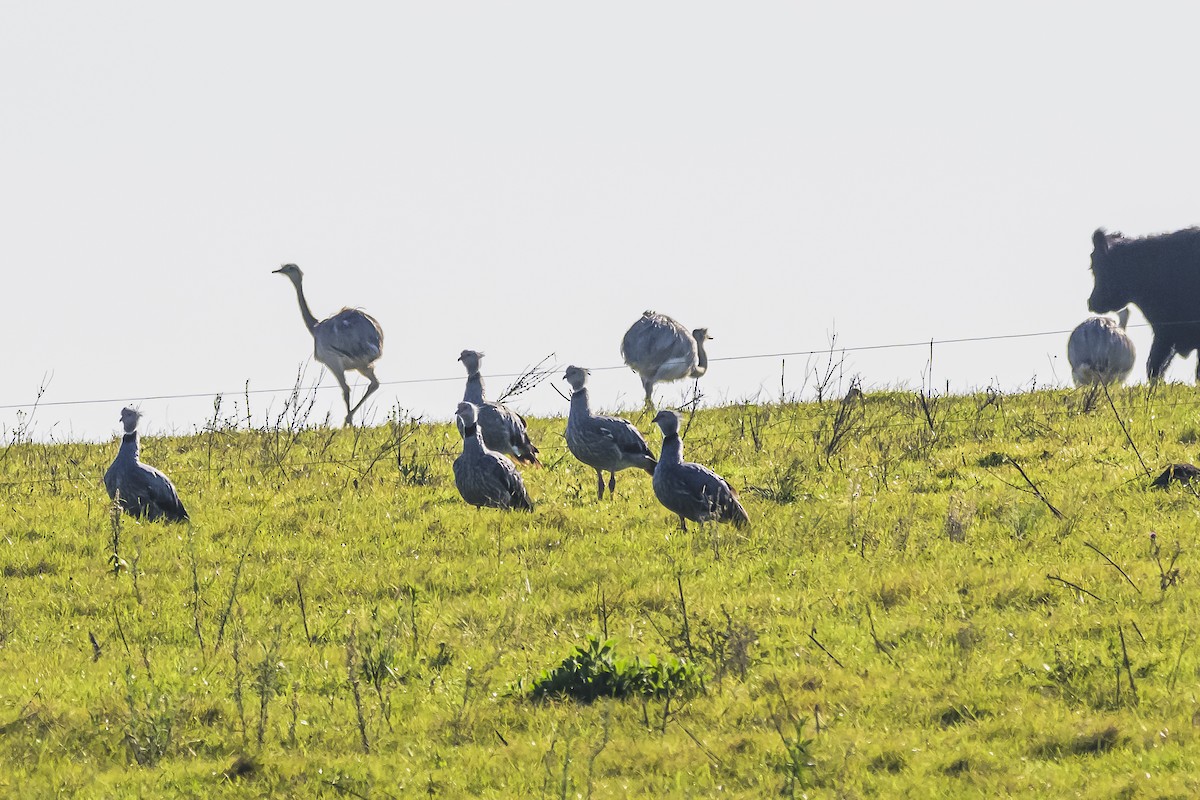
x=526 y=178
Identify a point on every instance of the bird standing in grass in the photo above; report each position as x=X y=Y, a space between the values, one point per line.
x=139 y=489
x=658 y=348
x=503 y=429
x=483 y=476
x=603 y=443
x=1100 y=351
x=349 y=340
x=692 y=491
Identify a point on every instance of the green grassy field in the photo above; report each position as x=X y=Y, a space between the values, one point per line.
x=955 y=596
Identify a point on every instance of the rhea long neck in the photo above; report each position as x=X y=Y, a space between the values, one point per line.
x=701 y=360
x=310 y=321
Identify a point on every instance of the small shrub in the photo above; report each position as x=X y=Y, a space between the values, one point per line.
x=148 y=732
x=783 y=485
x=796 y=763
x=959 y=714
x=595 y=670
x=1085 y=744
x=993 y=460
x=888 y=761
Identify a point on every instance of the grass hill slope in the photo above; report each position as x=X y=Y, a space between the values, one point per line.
x=961 y=596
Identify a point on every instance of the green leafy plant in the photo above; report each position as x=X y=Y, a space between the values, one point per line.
x=595 y=670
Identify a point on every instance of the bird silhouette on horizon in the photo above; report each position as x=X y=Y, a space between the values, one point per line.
x=349 y=340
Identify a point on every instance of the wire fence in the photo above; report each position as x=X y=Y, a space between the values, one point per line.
x=302 y=393
x=391 y=450
x=831 y=350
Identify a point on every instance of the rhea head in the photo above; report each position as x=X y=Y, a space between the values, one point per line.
x=291 y=271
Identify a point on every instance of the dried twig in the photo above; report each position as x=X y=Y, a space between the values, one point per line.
x=1125 y=430
x=303 y=611
x=1035 y=490
x=1074 y=586
x=1114 y=564
x=528 y=379
x=352 y=667
x=882 y=647
x=823 y=648
x=1128 y=668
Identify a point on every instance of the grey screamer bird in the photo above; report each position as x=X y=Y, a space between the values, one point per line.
x=483 y=476
x=691 y=491
x=503 y=429
x=603 y=443
x=658 y=348
x=349 y=340
x=140 y=489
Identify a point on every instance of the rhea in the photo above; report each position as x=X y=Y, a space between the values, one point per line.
x=1100 y=351
x=483 y=476
x=603 y=443
x=691 y=491
x=503 y=429
x=349 y=340
x=658 y=348
x=139 y=489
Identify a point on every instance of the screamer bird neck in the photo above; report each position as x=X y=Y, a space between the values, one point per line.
x=130 y=446
x=672 y=450
x=580 y=405
x=474 y=392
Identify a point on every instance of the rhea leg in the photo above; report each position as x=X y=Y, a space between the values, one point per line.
x=370 y=375
x=1161 y=352
x=649 y=387
x=612 y=484
x=341 y=379
x=600 y=484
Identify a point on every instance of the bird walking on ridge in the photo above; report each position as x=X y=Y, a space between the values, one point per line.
x=603 y=443
x=140 y=489
x=349 y=340
x=503 y=429
x=483 y=476
x=658 y=348
x=1100 y=351
x=691 y=491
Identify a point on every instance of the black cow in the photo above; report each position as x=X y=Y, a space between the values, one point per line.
x=1161 y=276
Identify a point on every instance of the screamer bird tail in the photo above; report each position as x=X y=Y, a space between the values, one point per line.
x=529 y=459
x=734 y=513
